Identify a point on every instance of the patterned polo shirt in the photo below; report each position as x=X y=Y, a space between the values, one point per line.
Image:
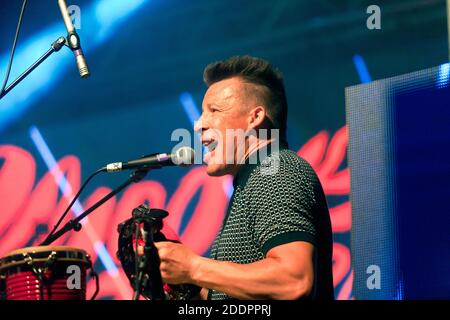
x=276 y=200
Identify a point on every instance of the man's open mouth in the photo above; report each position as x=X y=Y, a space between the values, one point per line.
x=211 y=145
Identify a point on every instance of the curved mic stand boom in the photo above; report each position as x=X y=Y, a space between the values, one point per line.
x=56 y=46
x=75 y=224
x=72 y=41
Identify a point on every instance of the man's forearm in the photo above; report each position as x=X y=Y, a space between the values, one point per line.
x=264 y=279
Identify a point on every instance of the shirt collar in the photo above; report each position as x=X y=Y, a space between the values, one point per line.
x=247 y=168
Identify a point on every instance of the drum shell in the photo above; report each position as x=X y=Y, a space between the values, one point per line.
x=21 y=282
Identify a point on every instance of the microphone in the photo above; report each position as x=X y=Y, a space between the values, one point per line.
x=73 y=40
x=182 y=157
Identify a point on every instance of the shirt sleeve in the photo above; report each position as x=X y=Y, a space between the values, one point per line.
x=283 y=204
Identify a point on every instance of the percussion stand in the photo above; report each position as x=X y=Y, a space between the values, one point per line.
x=75 y=224
x=147 y=266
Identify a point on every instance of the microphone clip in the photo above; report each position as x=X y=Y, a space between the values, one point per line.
x=73 y=40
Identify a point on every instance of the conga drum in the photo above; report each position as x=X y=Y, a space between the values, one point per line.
x=45 y=273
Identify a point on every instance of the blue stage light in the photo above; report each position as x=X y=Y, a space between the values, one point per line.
x=361 y=68
x=443 y=75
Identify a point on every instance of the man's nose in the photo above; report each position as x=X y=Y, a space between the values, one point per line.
x=200 y=125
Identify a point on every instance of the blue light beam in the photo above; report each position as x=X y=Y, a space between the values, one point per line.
x=361 y=68
x=66 y=189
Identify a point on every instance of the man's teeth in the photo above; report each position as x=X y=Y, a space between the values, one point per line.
x=211 y=146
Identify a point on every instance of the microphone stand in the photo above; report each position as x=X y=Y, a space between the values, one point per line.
x=56 y=46
x=75 y=224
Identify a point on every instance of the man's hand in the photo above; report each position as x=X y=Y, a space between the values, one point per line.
x=178 y=262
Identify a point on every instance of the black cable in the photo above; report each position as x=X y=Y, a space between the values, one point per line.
x=97 y=284
x=19 y=25
x=73 y=201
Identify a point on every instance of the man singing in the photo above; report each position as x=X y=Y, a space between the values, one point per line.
x=276 y=238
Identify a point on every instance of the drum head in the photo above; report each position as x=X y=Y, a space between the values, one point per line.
x=42 y=254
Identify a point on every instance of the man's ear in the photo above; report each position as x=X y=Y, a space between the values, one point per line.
x=256 y=117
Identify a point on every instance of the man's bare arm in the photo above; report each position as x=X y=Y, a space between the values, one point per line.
x=287 y=272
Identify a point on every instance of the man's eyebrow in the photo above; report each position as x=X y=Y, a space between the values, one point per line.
x=209 y=105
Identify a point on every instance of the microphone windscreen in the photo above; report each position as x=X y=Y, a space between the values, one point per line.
x=184 y=156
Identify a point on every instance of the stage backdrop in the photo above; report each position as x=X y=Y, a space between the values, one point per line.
x=146 y=60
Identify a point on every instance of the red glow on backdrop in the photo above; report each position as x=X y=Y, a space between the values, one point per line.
x=26 y=204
